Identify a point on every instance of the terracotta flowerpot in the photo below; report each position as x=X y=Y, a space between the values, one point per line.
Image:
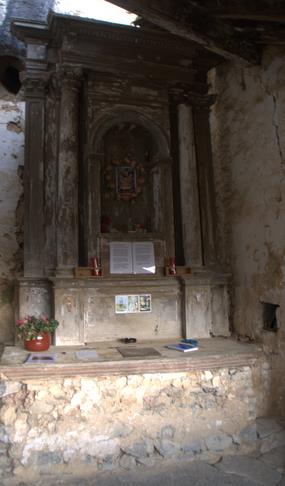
x=40 y=343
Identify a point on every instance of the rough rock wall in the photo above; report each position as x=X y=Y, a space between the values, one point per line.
x=83 y=424
x=248 y=129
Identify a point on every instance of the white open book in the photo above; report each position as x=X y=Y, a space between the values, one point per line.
x=132 y=257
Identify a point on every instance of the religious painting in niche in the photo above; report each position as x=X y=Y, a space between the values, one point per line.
x=126 y=186
x=124 y=179
x=127 y=180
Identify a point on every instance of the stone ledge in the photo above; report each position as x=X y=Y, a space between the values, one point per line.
x=214 y=353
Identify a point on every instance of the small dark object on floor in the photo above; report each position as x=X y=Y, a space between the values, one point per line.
x=128 y=340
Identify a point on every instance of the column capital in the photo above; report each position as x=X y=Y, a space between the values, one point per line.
x=35 y=84
x=70 y=76
x=184 y=95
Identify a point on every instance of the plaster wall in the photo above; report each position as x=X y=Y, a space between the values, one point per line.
x=11 y=228
x=248 y=133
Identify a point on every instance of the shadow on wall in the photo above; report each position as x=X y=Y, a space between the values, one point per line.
x=10 y=68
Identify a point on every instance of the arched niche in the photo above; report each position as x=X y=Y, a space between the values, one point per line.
x=128 y=179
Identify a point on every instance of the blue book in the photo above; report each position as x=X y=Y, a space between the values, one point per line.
x=183 y=347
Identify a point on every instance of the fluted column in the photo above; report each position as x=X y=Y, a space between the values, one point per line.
x=196 y=178
x=201 y=114
x=189 y=189
x=34 y=89
x=67 y=177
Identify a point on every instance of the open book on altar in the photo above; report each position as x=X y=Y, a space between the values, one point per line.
x=132 y=257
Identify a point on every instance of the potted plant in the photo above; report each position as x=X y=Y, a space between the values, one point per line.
x=36 y=331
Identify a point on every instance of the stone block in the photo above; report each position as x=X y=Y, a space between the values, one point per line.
x=166 y=448
x=218 y=442
x=249 y=434
x=194 y=447
x=140 y=449
x=120 y=430
x=3 y=448
x=46 y=458
x=250 y=468
x=127 y=462
x=8 y=415
x=167 y=432
x=207 y=375
x=41 y=407
x=146 y=461
x=210 y=457
x=267 y=426
x=3 y=434
x=8 y=388
x=275 y=458
x=272 y=441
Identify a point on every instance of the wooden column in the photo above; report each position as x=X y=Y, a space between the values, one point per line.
x=198 y=212
x=189 y=189
x=34 y=86
x=206 y=179
x=67 y=187
x=50 y=173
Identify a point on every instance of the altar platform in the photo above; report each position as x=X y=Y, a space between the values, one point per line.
x=213 y=353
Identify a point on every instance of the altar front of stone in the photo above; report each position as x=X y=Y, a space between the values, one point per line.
x=118 y=155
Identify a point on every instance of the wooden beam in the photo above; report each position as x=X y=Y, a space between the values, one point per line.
x=251 y=16
x=182 y=20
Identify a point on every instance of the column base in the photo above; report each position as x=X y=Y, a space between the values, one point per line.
x=64 y=271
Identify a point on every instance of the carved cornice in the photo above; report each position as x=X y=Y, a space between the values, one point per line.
x=180 y=95
x=74 y=29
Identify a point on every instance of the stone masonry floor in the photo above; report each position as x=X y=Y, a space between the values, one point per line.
x=265 y=466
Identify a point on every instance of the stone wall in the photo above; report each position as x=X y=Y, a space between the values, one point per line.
x=248 y=132
x=82 y=424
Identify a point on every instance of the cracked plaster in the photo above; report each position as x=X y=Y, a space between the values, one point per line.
x=248 y=132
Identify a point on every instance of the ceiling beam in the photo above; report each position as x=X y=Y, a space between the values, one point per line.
x=181 y=19
x=251 y=16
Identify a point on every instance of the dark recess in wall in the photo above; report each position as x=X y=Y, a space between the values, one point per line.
x=10 y=68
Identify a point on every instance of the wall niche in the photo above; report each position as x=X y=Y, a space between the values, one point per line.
x=127 y=180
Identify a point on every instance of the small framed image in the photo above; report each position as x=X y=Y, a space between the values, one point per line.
x=145 y=303
x=126 y=180
x=121 y=304
x=133 y=303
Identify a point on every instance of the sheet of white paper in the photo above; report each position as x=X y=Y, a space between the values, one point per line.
x=143 y=257
x=120 y=257
x=86 y=354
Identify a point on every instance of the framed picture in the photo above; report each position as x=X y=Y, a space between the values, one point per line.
x=131 y=304
x=126 y=181
x=145 y=303
x=121 y=304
